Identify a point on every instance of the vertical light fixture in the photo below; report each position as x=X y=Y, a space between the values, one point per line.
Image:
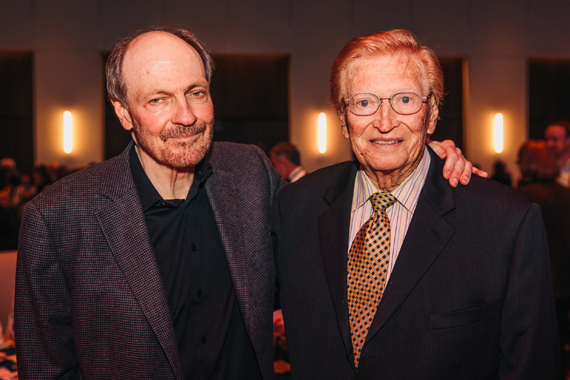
x=498 y=133
x=67 y=132
x=322 y=133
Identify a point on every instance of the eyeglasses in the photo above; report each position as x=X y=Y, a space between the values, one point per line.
x=367 y=103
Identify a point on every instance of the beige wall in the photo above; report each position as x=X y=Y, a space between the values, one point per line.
x=497 y=37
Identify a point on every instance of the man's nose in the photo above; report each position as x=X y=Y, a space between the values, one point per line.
x=184 y=114
x=385 y=117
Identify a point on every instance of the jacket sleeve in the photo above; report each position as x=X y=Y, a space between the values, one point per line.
x=42 y=318
x=529 y=341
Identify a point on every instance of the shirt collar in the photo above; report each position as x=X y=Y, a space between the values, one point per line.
x=146 y=190
x=294 y=175
x=407 y=193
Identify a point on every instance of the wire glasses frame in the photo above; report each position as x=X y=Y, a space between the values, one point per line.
x=403 y=102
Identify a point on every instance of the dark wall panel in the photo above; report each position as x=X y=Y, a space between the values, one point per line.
x=549 y=94
x=450 y=125
x=16 y=109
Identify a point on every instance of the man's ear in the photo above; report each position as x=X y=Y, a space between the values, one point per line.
x=123 y=114
x=343 y=124
x=433 y=117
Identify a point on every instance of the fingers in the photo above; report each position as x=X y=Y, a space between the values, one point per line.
x=438 y=148
x=480 y=173
x=466 y=174
x=454 y=167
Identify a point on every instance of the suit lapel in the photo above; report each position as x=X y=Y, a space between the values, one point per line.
x=123 y=225
x=427 y=235
x=333 y=232
x=223 y=197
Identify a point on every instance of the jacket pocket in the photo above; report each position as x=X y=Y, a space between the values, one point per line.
x=458 y=318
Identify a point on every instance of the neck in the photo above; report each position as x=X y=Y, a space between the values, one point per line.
x=564 y=158
x=171 y=183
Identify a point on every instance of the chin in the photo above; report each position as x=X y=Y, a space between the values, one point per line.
x=382 y=164
x=186 y=154
x=177 y=154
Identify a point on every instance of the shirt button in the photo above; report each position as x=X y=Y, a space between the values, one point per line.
x=203 y=340
x=193 y=248
x=199 y=294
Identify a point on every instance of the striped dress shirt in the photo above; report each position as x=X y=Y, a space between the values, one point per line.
x=400 y=213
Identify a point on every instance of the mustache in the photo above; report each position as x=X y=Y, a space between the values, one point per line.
x=182 y=130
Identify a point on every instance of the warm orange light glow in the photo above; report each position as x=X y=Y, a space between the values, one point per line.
x=322 y=133
x=67 y=132
x=498 y=133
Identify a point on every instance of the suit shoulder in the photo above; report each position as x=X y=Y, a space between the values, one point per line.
x=495 y=195
x=322 y=179
x=247 y=165
x=234 y=155
x=75 y=185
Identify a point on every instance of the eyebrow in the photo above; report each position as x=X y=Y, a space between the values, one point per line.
x=187 y=89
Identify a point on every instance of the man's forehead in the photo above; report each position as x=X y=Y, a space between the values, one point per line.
x=406 y=65
x=160 y=58
x=555 y=130
x=157 y=47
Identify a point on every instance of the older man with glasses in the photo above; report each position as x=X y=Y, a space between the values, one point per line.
x=387 y=272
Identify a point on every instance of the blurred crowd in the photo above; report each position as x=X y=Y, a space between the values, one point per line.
x=16 y=189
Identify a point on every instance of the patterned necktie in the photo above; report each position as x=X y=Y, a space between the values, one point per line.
x=368 y=262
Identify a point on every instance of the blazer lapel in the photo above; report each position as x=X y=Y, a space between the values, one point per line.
x=427 y=234
x=123 y=225
x=224 y=200
x=333 y=232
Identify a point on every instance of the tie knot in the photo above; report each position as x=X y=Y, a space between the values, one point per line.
x=382 y=200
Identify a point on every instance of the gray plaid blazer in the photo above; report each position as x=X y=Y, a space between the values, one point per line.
x=89 y=299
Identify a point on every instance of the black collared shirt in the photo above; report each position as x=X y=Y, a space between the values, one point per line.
x=209 y=328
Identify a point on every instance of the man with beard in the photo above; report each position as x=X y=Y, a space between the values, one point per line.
x=156 y=264
x=159 y=254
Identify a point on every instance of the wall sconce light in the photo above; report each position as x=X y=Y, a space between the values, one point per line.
x=67 y=132
x=498 y=133
x=322 y=133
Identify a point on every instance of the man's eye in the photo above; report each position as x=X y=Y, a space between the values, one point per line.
x=405 y=99
x=155 y=101
x=364 y=103
x=198 y=94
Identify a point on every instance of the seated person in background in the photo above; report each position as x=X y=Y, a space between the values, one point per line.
x=386 y=271
x=285 y=157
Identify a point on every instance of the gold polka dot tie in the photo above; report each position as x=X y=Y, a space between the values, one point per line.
x=368 y=262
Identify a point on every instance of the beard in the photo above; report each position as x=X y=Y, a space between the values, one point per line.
x=176 y=154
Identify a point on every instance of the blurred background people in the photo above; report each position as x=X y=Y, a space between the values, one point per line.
x=538 y=183
x=16 y=189
x=557 y=137
x=285 y=157
x=501 y=174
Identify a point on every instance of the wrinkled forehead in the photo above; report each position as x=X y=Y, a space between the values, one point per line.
x=384 y=68
x=162 y=57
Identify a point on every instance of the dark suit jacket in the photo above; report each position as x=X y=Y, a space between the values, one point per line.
x=89 y=299
x=470 y=296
